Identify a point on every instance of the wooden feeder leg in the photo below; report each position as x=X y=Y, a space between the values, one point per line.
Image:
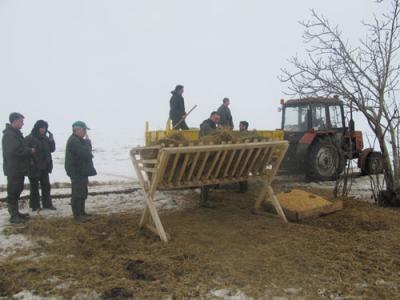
x=276 y=203
x=156 y=219
x=145 y=217
x=267 y=191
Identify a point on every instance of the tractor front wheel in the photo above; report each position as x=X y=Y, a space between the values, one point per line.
x=373 y=164
x=325 y=161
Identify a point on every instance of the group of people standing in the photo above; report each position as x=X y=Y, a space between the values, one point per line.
x=221 y=118
x=32 y=157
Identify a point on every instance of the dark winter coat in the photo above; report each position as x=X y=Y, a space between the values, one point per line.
x=16 y=154
x=207 y=127
x=79 y=158
x=177 y=107
x=42 y=156
x=226 y=116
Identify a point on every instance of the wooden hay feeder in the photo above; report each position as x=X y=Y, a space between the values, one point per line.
x=169 y=168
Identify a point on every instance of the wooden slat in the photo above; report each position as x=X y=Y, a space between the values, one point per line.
x=235 y=166
x=213 y=164
x=193 y=166
x=221 y=162
x=203 y=164
x=245 y=163
x=172 y=170
x=183 y=168
x=227 y=167
x=251 y=165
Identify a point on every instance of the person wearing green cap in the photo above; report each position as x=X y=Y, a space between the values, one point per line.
x=79 y=166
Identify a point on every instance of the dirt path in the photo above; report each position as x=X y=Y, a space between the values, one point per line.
x=353 y=253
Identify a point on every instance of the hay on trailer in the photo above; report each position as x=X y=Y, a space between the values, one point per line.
x=216 y=137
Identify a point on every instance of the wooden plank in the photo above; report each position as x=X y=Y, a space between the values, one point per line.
x=203 y=164
x=245 y=163
x=259 y=150
x=183 y=168
x=192 y=149
x=193 y=166
x=221 y=162
x=276 y=203
x=227 y=167
x=172 y=170
x=235 y=166
x=213 y=164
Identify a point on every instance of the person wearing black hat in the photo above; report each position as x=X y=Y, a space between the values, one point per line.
x=41 y=165
x=16 y=159
x=79 y=166
x=177 y=112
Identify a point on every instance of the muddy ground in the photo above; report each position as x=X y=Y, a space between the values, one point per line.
x=352 y=254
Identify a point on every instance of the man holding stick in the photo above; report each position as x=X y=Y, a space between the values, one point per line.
x=177 y=111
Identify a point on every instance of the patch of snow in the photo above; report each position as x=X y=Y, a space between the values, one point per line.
x=292 y=291
x=228 y=294
x=9 y=243
x=28 y=295
x=86 y=295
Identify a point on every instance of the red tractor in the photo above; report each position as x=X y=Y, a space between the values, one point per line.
x=320 y=144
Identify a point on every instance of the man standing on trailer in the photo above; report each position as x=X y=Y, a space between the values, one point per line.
x=177 y=111
x=225 y=114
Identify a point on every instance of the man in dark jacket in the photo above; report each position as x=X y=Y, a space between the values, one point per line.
x=42 y=165
x=177 y=111
x=225 y=113
x=16 y=160
x=210 y=124
x=79 y=166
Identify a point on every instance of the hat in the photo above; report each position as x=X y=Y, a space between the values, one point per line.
x=15 y=116
x=80 y=124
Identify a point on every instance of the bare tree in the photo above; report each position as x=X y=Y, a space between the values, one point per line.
x=366 y=77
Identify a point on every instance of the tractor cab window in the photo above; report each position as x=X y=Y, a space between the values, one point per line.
x=296 y=118
x=319 y=121
x=335 y=116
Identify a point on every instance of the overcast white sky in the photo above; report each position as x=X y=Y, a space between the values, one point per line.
x=114 y=63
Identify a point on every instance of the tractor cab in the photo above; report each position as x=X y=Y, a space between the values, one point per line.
x=318 y=114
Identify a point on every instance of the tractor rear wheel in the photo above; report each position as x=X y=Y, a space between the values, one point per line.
x=325 y=161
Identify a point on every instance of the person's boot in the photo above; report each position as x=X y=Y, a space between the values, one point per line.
x=205 y=202
x=83 y=211
x=15 y=217
x=81 y=219
x=23 y=215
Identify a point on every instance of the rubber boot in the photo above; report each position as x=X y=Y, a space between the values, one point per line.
x=243 y=186
x=22 y=215
x=15 y=216
x=205 y=202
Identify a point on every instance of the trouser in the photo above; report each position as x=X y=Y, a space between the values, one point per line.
x=204 y=193
x=243 y=186
x=34 y=199
x=79 y=187
x=182 y=125
x=15 y=186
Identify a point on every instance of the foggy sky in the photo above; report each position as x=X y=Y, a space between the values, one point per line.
x=114 y=63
